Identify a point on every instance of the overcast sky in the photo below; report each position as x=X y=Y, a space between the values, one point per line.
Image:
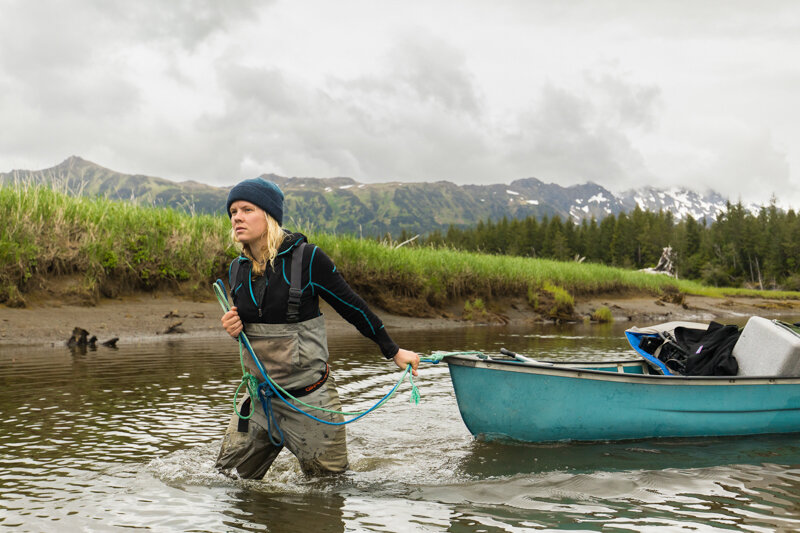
x=701 y=94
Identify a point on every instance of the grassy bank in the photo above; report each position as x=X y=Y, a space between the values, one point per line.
x=106 y=248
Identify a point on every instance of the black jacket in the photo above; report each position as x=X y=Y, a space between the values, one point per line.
x=265 y=298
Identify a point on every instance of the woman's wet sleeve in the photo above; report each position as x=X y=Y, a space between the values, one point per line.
x=332 y=287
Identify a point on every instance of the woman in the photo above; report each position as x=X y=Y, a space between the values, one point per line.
x=276 y=284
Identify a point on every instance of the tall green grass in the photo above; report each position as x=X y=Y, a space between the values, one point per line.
x=113 y=246
x=448 y=273
x=109 y=245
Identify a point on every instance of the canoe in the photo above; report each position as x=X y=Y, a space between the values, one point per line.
x=517 y=398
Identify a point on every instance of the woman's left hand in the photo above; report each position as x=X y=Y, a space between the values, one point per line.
x=403 y=358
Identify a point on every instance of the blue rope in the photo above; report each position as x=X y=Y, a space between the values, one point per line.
x=268 y=388
x=309 y=415
x=265 y=395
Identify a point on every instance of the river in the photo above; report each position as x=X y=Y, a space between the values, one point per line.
x=121 y=439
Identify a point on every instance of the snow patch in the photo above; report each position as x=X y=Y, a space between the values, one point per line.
x=598 y=198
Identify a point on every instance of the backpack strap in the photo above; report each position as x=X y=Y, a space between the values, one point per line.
x=233 y=275
x=293 y=308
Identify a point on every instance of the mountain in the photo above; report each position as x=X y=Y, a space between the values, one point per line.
x=681 y=202
x=343 y=205
x=80 y=177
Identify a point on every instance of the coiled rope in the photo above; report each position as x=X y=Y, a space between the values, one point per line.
x=266 y=389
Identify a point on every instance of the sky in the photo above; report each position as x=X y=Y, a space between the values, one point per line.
x=622 y=93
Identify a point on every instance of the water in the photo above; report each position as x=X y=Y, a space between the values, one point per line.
x=115 y=440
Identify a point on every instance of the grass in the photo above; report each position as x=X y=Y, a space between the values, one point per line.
x=696 y=288
x=603 y=315
x=474 y=310
x=451 y=273
x=113 y=246
x=563 y=302
x=109 y=245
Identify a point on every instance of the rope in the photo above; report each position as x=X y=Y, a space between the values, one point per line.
x=437 y=357
x=266 y=389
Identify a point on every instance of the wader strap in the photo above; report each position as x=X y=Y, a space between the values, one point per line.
x=244 y=412
x=293 y=308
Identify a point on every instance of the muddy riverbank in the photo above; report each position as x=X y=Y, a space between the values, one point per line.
x=152 y=318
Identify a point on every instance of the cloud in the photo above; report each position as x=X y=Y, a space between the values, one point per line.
x=432 y=70
x=89 y=78
x=424 y=109
x=421 y=114
x=750 y=168
x=615 y=91
x=573 y=136
x=388 y=123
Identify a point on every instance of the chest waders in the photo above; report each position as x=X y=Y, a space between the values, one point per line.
x=295 y=355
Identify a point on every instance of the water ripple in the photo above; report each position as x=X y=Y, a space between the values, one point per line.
x=113 y=440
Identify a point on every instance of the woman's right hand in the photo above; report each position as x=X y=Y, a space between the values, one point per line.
x=232 y=323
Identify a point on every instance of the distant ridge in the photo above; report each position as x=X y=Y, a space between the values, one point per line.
x=343 y=205
x=79 y=176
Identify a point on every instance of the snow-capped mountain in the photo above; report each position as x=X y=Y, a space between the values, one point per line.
x=680 y=202
x=591 y=200
x=343 y=205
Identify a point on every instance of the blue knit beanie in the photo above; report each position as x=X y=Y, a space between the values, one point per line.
x=260 y=192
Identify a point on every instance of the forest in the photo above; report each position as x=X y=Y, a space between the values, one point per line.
x=739 y=249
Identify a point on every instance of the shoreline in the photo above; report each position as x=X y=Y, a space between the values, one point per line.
x=147 y=317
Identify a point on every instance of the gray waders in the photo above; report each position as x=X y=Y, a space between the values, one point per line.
x=295 y=355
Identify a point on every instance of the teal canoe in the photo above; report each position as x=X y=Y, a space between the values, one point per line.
x=525 y=400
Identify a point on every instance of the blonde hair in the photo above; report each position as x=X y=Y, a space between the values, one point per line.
x=274 y=236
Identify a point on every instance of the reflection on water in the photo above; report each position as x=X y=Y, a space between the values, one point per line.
x=507 y=459
x=115 y=439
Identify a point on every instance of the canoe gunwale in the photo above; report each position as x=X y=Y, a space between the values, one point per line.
x=556 y=369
